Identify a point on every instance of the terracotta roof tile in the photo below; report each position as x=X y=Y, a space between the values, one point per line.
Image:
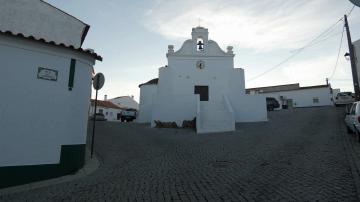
x=106 y=104
x=151 y=82
x=20 y=35
x=291 y=87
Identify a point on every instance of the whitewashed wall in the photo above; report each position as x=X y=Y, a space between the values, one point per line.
x=185 y=76
x=125 y=101
x=109 y=113
x=38 y=116
x=176 y=108
x=175 y=99
x=147 y=94
x=249 y=108
x=178 y=81
x=39 y=19
x=304 y=97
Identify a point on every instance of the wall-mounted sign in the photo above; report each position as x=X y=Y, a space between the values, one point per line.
x=47 y=74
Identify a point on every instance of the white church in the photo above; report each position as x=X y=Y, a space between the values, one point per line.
x=200 y=82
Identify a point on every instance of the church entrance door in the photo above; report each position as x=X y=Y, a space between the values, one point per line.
x=203 y=91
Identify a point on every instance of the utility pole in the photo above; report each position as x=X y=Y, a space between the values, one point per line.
x=352 y=59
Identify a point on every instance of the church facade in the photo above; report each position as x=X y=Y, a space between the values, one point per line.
x=200 y=82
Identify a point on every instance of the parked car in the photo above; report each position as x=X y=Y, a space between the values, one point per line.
x=99 y=117
x=271 y=103
x=352 y=119
x=128 y=115
x=344 y=98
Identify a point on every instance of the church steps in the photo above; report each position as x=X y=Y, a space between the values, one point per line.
x=215 y=117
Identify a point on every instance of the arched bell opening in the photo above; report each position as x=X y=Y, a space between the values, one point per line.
x=200 y=44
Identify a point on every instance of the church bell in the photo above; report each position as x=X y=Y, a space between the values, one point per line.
x=200 y=45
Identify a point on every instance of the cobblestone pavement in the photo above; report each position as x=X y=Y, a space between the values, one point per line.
x=298 y=155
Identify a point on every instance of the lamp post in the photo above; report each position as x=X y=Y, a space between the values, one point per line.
x=352 y=60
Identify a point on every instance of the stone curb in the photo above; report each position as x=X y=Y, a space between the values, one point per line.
x=91 y=165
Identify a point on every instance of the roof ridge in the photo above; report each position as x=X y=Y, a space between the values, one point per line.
x=42 y=40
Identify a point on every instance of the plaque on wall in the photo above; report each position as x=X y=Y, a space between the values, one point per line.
x=47 y=74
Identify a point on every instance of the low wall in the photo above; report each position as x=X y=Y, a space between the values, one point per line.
x=249 y=108
x=177 y=108
x=145 y=113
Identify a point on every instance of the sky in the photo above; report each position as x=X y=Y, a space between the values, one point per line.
x=133 y=36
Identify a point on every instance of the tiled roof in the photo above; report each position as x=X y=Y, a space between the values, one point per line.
x=41 y=40
x=106 y=104
x=276 y=88
x=151 y=82
x=310 y=87
x=281 y=88
x=121 y=97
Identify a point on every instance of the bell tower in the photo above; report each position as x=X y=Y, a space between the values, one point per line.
x=200 y=37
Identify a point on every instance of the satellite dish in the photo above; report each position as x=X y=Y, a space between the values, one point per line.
x=356 y=2
x=99 y=81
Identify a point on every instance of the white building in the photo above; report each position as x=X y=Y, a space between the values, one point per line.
x=127 y=102
x=111 y=111
x=200 y=81
x=292 y=95
x=45 y=86
x=148 y=91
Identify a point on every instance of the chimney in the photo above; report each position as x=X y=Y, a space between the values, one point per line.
x=105 y=97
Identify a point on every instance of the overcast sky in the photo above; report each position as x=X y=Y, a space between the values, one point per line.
x=133 y=36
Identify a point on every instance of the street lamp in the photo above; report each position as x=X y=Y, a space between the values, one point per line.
x=347 y=56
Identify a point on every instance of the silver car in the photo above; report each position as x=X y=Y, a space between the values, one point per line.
x=344 y=98
x=352 y=119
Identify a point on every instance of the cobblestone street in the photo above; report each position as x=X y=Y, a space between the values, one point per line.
x=298 y=155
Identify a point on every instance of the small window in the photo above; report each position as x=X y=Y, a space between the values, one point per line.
x=101 y=111
x=315 y=100
x=107 y=113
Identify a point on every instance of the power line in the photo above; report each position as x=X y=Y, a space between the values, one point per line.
x=351 y=11
x=340 y=46
x=311 y=43
x=338 y=55
x=323 y=34
x=298 y=51
x=322 y=40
